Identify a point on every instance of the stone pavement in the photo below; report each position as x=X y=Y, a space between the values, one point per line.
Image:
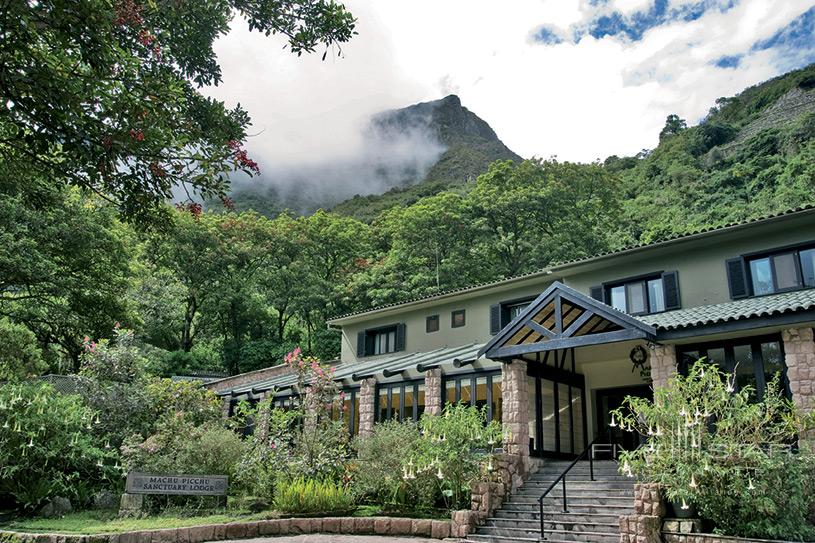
x=336 y=538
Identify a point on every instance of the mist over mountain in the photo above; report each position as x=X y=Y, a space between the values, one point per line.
x=423 y=145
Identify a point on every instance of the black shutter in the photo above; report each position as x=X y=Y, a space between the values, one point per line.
x=400 y=337
x=670 y=283
x=737 y=278
x=495 y=319
x=597 y=294
x=360 y=344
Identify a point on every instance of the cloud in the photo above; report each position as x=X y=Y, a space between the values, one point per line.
x=548 y=75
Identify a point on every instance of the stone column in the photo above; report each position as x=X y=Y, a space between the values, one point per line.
x=226 y=401
x=799 y=357
x=367 y=406
x=432 y=392
x=516 y=412
x=663 y=364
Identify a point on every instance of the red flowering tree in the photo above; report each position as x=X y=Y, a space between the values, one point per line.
x=104 y=94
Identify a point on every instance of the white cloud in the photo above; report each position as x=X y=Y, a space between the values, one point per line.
x=579 y=101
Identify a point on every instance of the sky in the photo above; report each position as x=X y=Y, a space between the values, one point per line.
x=576 y=79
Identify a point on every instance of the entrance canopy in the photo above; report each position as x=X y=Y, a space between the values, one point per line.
x=563 y=318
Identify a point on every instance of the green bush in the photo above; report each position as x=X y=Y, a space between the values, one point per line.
x=379 y=477
x=303 y=496
x=21 y=356
x=726 y=453
x=182 y=447
x=47 y=450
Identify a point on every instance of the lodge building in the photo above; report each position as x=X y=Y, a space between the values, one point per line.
x=550 y=353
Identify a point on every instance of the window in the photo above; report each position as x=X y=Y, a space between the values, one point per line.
x=400 y=401
x=476 y=389
x=432 y=324
x=753 y=362
x=387 y=339
x=643 y=295
x=505 y=312
x=458 y=319
x=346 y=408
x=768 y=273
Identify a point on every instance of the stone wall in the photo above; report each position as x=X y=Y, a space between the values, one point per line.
x=515 y=416
x=367 y=406
x=640 y=529
x=436 y=529
x=669 y=537
x=663 y=364
x=799 y=357
x=432 y=392
x=648 y=500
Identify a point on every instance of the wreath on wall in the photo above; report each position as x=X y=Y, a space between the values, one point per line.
x=639 y=356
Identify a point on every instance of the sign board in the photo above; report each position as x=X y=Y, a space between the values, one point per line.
x=187 y=485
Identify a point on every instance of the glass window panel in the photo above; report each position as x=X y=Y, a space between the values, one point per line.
x=636 y=298
x=577 y=413
x=383 y=403
x=688 y=359
x=420 y=400
x=347 y=408
x=466 y=390
x=808 y=267
x=773 y=362
x=458 y=318
x=450 y=391
x=761 y=275
x=716 y=356
x=481 y=392
x=548 y=414
x=618 y=298
x=786 y=276
x=432 y=324
x=517 y=309
x=745 y=368
x=533 y=415
x=395 y=394
x=565 y=423
x=498 y=399
x=391 y=341
x=409 y=402
x=656 y=296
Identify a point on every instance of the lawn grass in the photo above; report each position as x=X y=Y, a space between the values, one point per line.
x=95 y=522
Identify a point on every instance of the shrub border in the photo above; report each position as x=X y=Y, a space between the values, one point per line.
x=435 y=529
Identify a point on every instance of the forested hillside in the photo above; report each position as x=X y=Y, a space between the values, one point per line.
x=235 y=290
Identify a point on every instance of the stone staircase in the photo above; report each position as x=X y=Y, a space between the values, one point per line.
x=594 y=507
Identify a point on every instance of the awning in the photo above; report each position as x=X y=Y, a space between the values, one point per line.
x=382 y=367
x=563 y=318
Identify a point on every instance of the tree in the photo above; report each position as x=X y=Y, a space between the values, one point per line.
x=541 y=211
x=103 y=94
x=21 y=356
x=65 y=262
x=673 y=126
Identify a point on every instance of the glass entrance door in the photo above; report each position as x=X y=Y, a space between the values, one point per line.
x=558 y=423
x=607 y=401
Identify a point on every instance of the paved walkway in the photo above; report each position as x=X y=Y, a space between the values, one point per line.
x=336 y=538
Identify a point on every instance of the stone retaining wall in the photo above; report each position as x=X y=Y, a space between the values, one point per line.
x=669 y=537
x=437 y=529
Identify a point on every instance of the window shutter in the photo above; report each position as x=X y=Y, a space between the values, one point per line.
x=737 y=278
x=360 y=344
x=670 y=284
x=597 y=293
x=495 y=319
x=400 y=337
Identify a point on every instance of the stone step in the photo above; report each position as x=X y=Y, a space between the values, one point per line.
x=564 y=535
x=532 y=509
x=570 y=483
x=574 y=515
x=570 y=491
x=627 y=501
x=556 y=522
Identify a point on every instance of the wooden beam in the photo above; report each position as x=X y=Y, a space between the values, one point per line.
x=580 y=321
x=563 y=343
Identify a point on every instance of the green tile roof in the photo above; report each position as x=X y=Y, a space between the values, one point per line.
x=760 y=306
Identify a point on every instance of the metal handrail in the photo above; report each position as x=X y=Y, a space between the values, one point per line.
x=562 y=479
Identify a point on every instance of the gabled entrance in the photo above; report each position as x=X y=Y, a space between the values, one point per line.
x=547 y=335
x=563 y=318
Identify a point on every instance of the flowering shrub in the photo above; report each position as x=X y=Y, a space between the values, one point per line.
x=429 y=466
x=716 y=448
x=47 y=449
x=117 y=360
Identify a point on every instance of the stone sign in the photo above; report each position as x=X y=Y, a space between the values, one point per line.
x=189 y=485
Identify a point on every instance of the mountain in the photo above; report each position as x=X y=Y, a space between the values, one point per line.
x=406 y=154
x=752 y=155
